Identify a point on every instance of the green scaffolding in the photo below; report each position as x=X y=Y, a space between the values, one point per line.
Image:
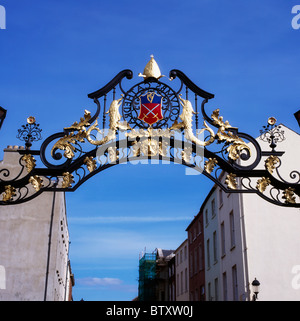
x=147 y=277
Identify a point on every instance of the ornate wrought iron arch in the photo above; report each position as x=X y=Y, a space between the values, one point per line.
x=158 y=123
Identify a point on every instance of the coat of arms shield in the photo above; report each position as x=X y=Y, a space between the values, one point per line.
x=150 y=108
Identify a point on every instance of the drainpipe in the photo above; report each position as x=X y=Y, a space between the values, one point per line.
x=244 y=247
x=49 y=243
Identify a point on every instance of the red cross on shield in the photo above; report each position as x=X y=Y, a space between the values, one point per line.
x=150 y=108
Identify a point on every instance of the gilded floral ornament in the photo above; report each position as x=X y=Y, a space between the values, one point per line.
x=218 y=120
x=9 y=193
x=270 y=163
x=83 y=123
x=187 y=154
x=90 y=163
x=113 y=154
x=149 y=144
x=210 y=165
x=231 y=181
x=149 y=147
x=237 y=144
x=29 y=162
x=289 y=195
x=36 y=181
x=67 y=180
x=262 y=184
x=84 y=131
x=65 y=143
x=150 y=132
x=150 y=120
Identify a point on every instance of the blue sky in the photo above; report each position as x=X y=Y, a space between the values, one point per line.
x=53 y=53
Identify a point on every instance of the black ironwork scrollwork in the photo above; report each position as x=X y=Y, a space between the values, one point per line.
x=131 y=104
x=272 y=133
x=30 y=132
x=84 y=149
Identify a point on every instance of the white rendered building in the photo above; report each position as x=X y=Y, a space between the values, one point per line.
x=34 y=245
x=247 y=237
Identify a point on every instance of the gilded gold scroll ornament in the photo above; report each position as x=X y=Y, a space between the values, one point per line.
x=84 y=130
x=289 y=195
x=149 y=144
x=149 y=147
x=262 y=184
x=210 y=165
x=236 y=143
x=231 y=181
x=90 y=163
x=67 y=180
x=270 y=163
x=65 y=143
x=187 y=154
x=29 y=162
x=9 y=193
x=113 y=153
x=218 y=120
x=36 y=181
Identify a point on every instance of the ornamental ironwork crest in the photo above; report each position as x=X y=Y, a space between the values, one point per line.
x=159 y=117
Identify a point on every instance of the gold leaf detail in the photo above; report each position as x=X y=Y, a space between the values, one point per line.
x=262 y=184
x=65 y=143
x=235 y=149
x=210 y=164
x=231 y=181
x=67 y=180
x=237 y=145
x=150 y=147
x=113 y=153
x=149 y=144
x=29 y=162
x=218 y=120
x=150 y=132
x=163 y=147
x=36 y=181
x=187 y=154
x=90 y=163
x=84 y=121
x=289 y=195
x=9 y=193
x=270 y=163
